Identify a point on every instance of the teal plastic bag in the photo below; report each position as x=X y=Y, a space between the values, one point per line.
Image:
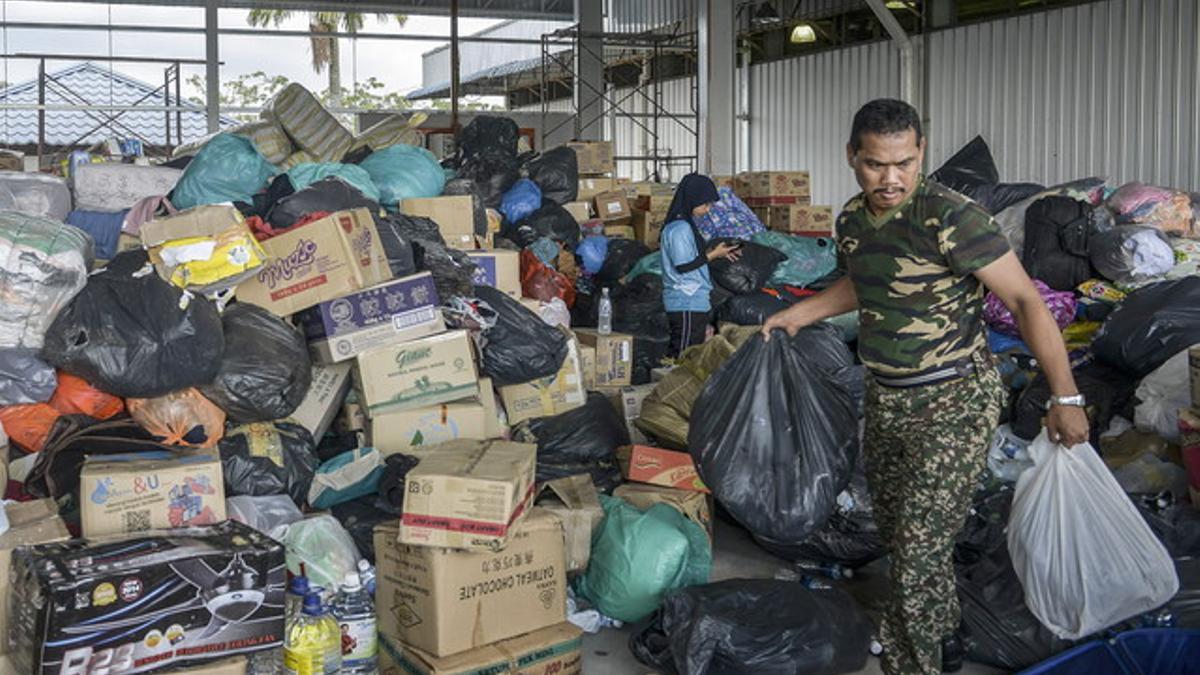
x=227 y=169
x=809 y=258
x=303 y=175
x=404 y=172
x=651 y=263
x=348 y=476
x=637 y=556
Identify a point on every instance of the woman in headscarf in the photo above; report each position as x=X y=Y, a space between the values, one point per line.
x=686 y=282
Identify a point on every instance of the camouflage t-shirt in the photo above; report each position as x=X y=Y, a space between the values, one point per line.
x=920 y=305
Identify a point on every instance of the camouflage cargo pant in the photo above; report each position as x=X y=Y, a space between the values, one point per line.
x=925 y=447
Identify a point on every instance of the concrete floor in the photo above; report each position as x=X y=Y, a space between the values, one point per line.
x=735 y=555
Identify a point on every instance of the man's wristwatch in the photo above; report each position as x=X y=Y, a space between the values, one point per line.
x=1075 y=400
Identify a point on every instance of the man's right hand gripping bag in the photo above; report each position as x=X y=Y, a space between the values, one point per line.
x=1085 y=557
x=775 y=433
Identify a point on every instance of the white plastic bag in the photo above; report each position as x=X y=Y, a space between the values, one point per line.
x=270 y=515
x=325 y=549
x=1085 y=557
x=1161 y=394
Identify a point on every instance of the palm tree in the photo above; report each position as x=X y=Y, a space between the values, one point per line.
x=325 y=52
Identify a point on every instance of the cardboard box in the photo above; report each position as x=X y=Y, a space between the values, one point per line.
x=798 y=219
x=656 y=466
x=557 y=650
x=581 y=211
x=790 y=218
x=619 y=232
x=631 y=408
x=546 y=396
x=656 y=198
x=590 y=187
x=721 y=181
x=324 y=399
x=320 y=261
x=760 y=184
x=150 y=491
x=1194 y=373
x=614 y=356
x=468 y=494
x=693 y=505
x=587 y=365
x=206 y=248
x=401 y=430
x=593 y=156
x=445 y=602
x=398 y=311
x=647 y=228
x=416 y=374
x=455 y=217
x=612 y=207
x=575 y=501
x=227 y=575
x=29 y=523
x=498 y=269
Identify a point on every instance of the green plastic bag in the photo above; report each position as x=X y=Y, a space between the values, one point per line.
x=303 y=175
x=637 y=556
x=650 y=263
x=404 y=172
x=809 y=258
x=227 y=169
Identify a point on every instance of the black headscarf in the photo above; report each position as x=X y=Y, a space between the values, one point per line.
x=694 y=190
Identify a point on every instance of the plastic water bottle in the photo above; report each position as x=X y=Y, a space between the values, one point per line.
x=355 y=615
x=311 y=644
x=366 y=574
x=293 y=600
x=606 y=313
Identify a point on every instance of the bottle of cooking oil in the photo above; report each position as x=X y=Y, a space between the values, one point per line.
x=312 y=644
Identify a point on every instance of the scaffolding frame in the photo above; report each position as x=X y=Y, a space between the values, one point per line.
x=645 y=48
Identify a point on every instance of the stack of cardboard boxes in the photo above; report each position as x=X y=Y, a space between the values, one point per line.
x=782 y=201
x=650 y=204
x=473 y=577
x=596 y=166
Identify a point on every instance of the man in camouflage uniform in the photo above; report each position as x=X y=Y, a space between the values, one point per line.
x=917 y=256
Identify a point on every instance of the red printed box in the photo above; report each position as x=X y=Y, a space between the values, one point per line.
x=655 y=466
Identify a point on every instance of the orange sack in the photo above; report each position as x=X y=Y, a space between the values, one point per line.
x=28 y=425
x=182 y=417
x=74 y=396
x=542 y=282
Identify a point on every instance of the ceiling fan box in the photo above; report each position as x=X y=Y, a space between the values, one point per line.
x=143 y=602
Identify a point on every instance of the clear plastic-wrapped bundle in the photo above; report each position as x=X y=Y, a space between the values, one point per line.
x=43 y=265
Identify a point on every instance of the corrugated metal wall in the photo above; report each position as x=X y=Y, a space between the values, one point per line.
x=800 y=111
x=1109 y=88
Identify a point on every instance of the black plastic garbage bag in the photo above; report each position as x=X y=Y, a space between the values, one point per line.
x=265 y=371
x=850 y=537
x=556 y=172
x=486 y=133
x=995 y=197
x=463 y=187
x=25 y=378
x=970 y=167
x=128 y=335
x=589 y=433
x=359 y=517
x=649 y=349
x=1056 y=242
x=1153 y=324
x=551 y=220
x=999 y=628
x=493 y=173
x=775 y=433
x=760 y=626
x=1131 y=254
x=268 y=458
x=753 y=309
x=1108 y=392
x=328 y=194
x=623 y=254
x=520 y=347
x=750 y=272
x=414 y=244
